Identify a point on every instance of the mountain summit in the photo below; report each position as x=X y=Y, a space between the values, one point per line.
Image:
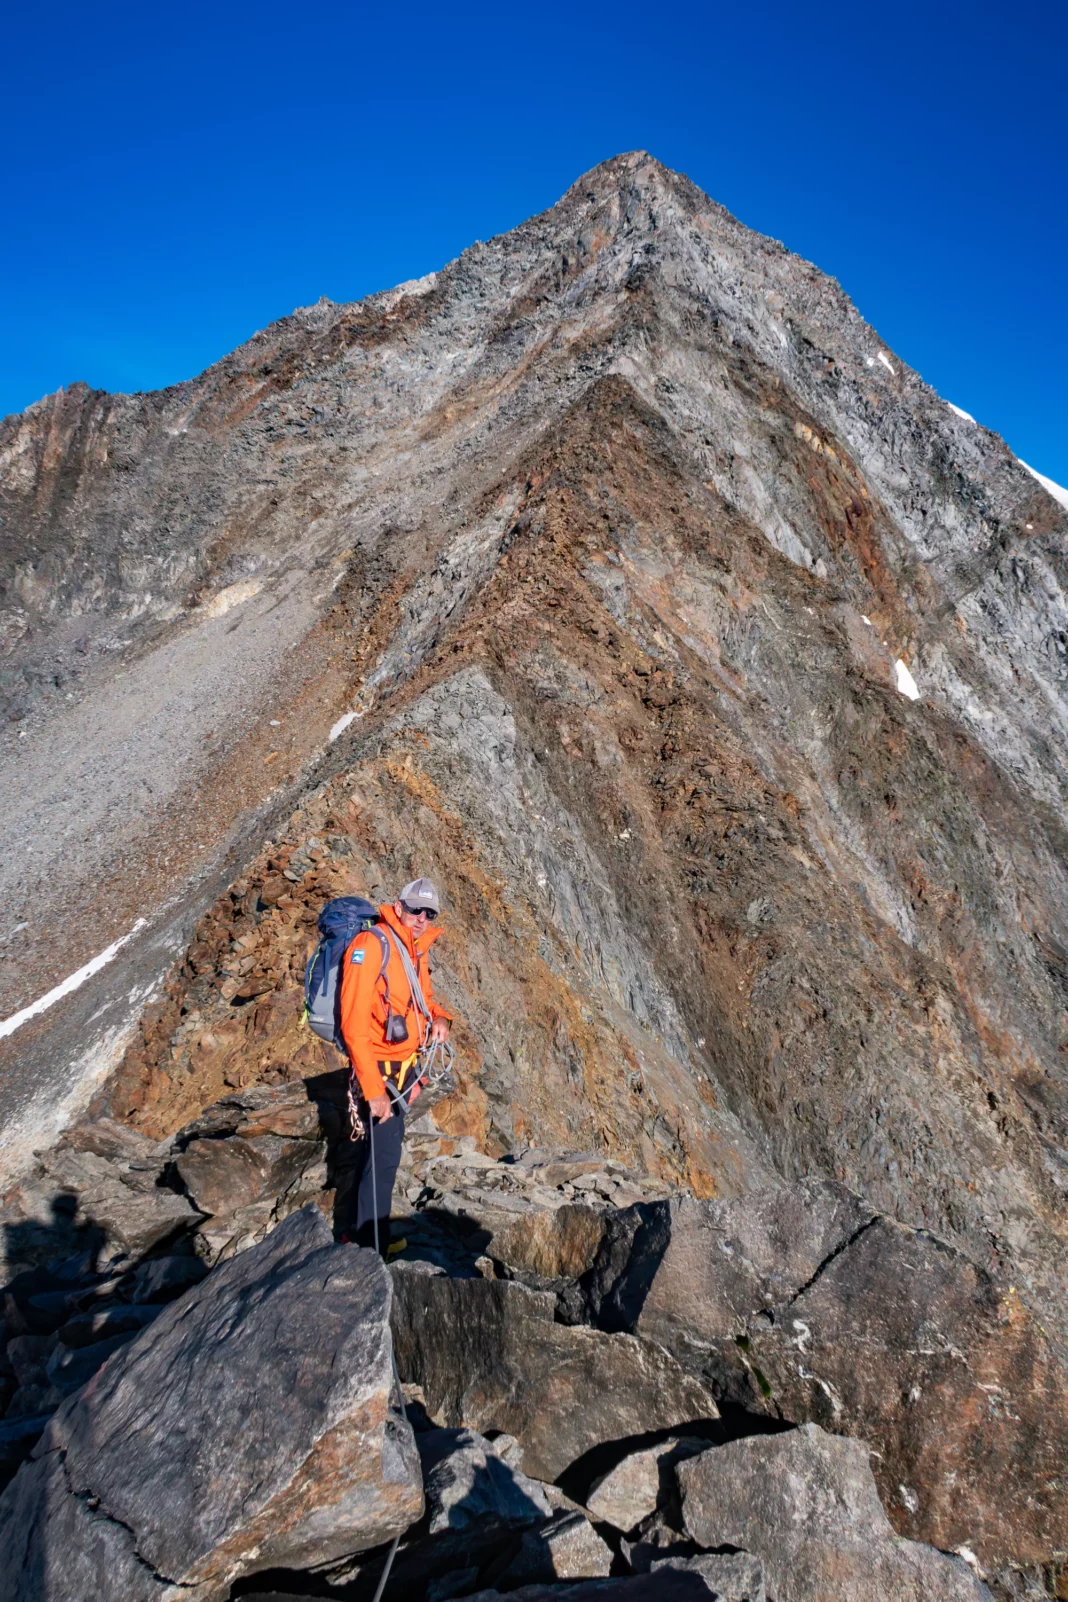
x=620 y=578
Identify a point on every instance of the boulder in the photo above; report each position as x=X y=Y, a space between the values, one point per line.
x=475 y=1505
x=29 y=1355
x=638 y=1485
x=88 y=1328
x=903 y=1341
x=249 y=1426
x=222 y=1176
x=806 y=1504
x=69 y=1370
x=258 y=1110
x=488 y=1354
x=691 y=1273
x=112 y=1141
x=557 y=1244
x=161 y=1279
x=469 y=1486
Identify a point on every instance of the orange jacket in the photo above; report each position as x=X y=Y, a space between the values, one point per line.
x=363 y=999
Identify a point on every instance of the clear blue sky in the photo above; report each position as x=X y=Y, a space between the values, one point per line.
x=176 y=176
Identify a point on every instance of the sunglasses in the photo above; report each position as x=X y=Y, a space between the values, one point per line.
x=420 y=912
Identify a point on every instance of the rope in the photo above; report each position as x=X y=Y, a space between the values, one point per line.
x=374 y=1181
x=392 y=1354
x=385 y=1571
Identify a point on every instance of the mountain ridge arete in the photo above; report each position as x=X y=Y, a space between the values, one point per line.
x=618 y=577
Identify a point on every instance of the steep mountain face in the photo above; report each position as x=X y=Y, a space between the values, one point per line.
x=713 y=665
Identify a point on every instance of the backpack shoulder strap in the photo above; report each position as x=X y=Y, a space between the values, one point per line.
x=373 y=929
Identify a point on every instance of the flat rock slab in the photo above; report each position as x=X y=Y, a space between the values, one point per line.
x=249 y=1426
x=806 y=1504
x=488 y=1355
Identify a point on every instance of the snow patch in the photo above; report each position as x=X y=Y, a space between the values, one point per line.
x=1060 y=495
x=884 y=358
x=959 y=411
x=905 y=682
x=341 y=725
x=74 y=982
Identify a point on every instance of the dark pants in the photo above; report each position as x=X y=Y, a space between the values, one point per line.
x=370 y=1167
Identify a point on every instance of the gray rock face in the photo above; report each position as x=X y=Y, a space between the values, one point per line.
x=249 y=1426
x=690 y=1271
x=805 y=1503
x=800 y=1303
x=488 y=1354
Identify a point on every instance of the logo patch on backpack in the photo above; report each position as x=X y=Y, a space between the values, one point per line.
x=358 y=956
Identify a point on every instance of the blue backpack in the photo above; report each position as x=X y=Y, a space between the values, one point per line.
x=339 y=923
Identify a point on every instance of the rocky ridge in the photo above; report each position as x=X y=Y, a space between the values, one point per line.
x=587 y=576
x=572 y=1342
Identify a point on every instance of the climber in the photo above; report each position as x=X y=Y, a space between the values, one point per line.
x=384 y=1024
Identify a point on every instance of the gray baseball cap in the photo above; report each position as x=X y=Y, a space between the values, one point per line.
x=420 y=893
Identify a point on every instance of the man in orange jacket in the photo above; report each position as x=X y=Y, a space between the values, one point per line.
x=383 y=1027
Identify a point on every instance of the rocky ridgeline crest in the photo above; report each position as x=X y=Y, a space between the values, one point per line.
x=583 y=576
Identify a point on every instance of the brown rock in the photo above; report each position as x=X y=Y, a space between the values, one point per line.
x=561 y=1244
x=222 y=1176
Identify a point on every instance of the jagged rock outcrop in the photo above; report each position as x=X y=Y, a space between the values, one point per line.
x=249 y=1426
x=800 y=1303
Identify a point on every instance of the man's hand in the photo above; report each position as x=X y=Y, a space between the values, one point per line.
x=381 y=1108
x=439 y=1029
